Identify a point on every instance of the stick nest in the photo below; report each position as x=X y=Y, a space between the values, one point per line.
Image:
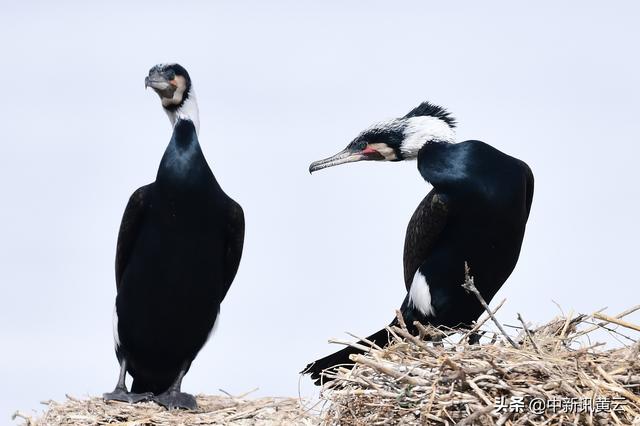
x=438 y=377
x=212 y=410
x=416 y=381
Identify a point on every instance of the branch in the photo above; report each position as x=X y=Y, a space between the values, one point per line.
x=471 y=288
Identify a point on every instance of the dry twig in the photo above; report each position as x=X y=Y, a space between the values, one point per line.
x=412 y=383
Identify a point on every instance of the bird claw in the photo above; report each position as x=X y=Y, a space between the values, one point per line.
x=172 y=399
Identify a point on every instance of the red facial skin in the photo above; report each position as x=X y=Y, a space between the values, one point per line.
x=368 y=150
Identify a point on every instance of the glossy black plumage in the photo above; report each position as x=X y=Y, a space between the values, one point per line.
x=178 y=251
x=476 y=213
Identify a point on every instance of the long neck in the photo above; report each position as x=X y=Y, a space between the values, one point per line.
x=187 y=111
x=183 y=162
x=443 y=164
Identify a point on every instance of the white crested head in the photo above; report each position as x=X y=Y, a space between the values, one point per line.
x=172 y=83
x=396 y=139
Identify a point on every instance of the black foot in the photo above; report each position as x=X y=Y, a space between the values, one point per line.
x=173 y=399
x=474 y=338
x=124 y=396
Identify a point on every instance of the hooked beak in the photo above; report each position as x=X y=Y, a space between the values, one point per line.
x=347 y=155
x=156 y=81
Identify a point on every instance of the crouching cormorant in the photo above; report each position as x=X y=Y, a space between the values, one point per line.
x=178 y=251
x=476 y=213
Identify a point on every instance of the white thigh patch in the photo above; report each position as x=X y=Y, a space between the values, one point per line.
x=116 y=338
x=420 y=296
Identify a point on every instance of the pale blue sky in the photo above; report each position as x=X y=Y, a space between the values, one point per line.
x=281 y=84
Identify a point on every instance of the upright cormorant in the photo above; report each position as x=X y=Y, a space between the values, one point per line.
x=178 y=251
x=476 y=213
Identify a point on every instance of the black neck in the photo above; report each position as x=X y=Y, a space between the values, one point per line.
x=441 y=164
x=183 y=162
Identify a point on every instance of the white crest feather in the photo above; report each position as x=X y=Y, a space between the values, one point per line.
x=420 y=130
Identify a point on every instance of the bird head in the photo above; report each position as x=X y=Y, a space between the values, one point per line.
x=172 y=83
x=397 y=139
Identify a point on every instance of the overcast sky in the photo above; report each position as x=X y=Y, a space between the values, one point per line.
x=281 y=84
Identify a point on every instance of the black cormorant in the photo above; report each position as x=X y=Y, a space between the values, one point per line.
x=178 y=251
x=476 y=213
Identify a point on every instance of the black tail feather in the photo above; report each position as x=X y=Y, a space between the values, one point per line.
x=341 y=358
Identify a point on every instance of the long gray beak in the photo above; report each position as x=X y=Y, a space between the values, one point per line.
x=347 y=155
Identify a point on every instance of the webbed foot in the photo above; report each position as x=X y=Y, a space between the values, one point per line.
x=123 y=396
x=175 y=399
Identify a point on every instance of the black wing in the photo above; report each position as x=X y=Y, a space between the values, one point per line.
x=130 y=227
x=425 y=226
x=235 y=242
x=530 y=182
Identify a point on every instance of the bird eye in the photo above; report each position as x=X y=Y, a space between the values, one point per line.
x=170 y=74
x=358 y=144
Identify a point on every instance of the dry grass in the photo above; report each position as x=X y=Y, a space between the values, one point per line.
x=438 y=378
x=213 y=410
x=415 y=381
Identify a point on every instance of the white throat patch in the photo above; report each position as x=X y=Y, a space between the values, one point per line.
x=420 y=296
x=188 y=110
x=420 y=130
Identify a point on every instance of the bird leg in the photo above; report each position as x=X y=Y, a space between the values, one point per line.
x=120 y=393
x=173 y=398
